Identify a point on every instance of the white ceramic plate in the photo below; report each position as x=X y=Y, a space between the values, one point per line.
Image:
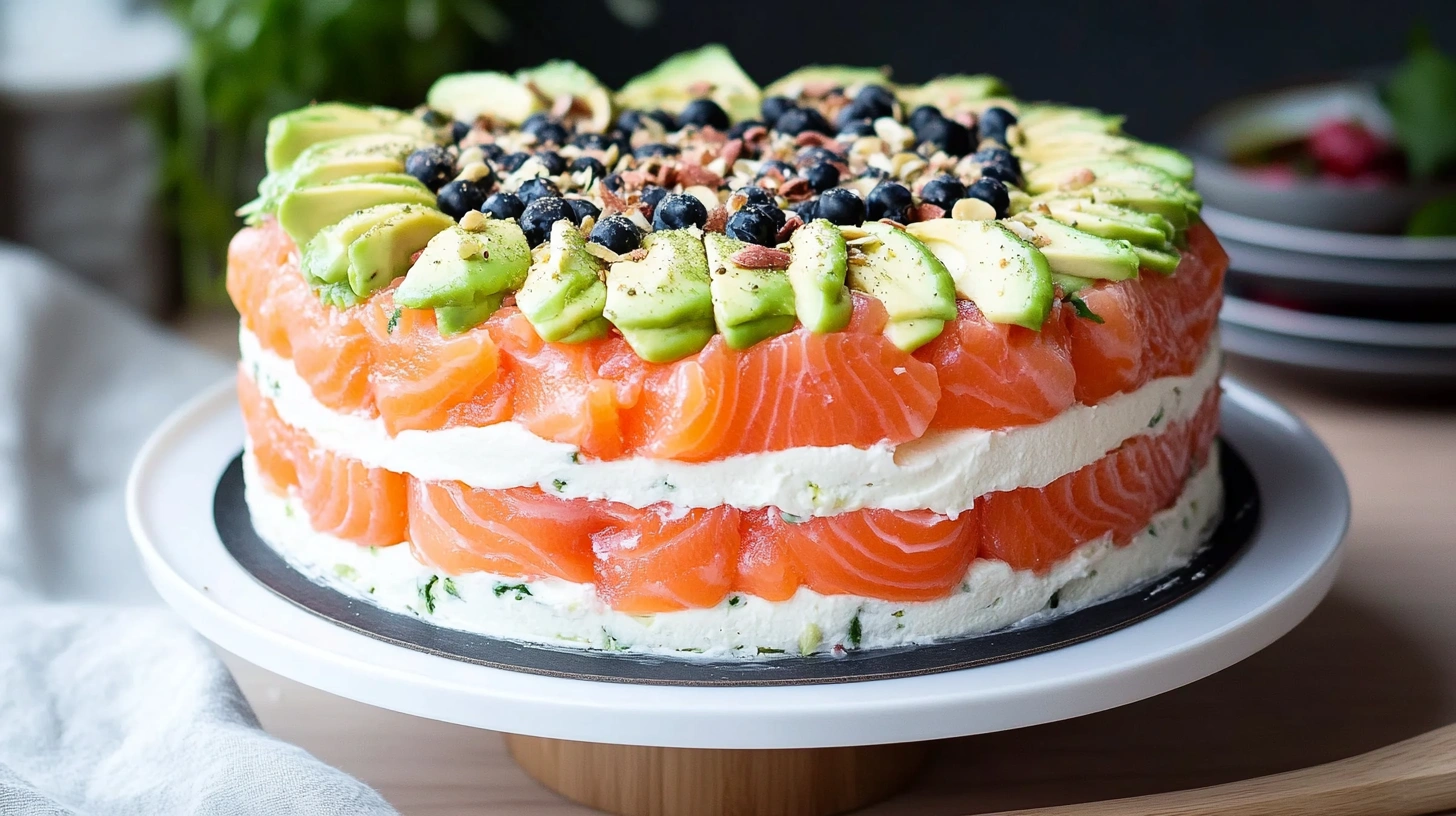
x=1333 y=328
x=1356 y=364
x=1282 y=574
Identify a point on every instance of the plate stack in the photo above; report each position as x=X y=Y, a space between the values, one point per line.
x=1366 y=308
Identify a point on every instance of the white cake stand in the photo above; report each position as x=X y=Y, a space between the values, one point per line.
x=661 y=749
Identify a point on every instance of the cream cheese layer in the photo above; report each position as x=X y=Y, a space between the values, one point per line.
x=992 y=596
x=943 y=471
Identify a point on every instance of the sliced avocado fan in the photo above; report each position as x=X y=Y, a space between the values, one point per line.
x=681 y=78
x=1008 y=279
x=749 y=305
x=289 y=134
x=306 y=210
x=663 y=304
x=909 y=280
x=565 y=293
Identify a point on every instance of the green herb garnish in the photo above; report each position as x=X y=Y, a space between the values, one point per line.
x=450 y=588
x=769 y=650
x=427 y=593
x=393 y=321
x=1083 y=310
x=1158 y=417
x=521 y=590
x=856 y=631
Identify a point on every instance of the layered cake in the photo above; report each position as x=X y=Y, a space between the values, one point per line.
x=697 y=368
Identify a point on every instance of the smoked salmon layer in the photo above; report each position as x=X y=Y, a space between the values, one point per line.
x=797 y=389
x=662 y=558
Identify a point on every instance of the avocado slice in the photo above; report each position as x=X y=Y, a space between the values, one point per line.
x=461 y=267
x=1071 y=284
x=460 y=319
x=749 y=305
x=820 y=262
x=663 y=304
x=1119 y=223
x=1172 y=205
x=1008 y=279
x=671 y=85
x=914 y=285
x=320 y=163
x=1073 y=252
x=468 y=96
x=954 y=92
x=305 y=211
x=289 y=134
x=1086 y=146
x=383 y=252
x=325 y=259
x=558 y=78
x=1043 y=121
x=565 y=293
x=1162 y=259
x=792 y=85
x=1046 y=177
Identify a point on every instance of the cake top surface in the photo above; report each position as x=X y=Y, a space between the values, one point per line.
x=691 y=202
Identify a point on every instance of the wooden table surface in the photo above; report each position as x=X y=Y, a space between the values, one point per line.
x=1374 y=664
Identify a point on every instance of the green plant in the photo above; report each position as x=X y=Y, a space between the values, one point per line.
x=251 y=59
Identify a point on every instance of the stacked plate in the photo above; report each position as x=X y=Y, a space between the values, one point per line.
x=1366 y=307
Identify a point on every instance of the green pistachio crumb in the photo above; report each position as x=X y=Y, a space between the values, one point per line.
x=346 y=572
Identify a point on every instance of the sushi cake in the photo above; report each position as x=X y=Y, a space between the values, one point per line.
x=702 y=368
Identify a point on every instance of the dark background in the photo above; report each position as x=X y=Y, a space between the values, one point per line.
x=1160 y=62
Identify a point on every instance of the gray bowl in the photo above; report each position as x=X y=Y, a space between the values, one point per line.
x=1317 y=203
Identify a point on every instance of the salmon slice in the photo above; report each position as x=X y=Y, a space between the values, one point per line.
x=766 y=568
x=346 y=499
x=911 y=555
x=1033 y=528
x=661 y=560
x=575 y=393
x=264 y=283
x=796 y=389
x=276 y=445
x=332 y=353
x=423 y=381
x=1200 y=289
x=997 y=376
x=1107 y=356
x=517 y=532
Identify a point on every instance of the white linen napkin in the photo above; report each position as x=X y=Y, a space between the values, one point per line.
x=109 y=704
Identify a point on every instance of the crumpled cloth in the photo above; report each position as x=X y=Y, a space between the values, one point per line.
x=109 y=703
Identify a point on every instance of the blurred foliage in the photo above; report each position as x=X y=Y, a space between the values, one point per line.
x=1421 y=99
x=251 y=59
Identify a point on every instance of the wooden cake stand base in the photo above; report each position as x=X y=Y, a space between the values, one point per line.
x=635 y=780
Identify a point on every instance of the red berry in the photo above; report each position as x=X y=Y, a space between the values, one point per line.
x=1345 y=149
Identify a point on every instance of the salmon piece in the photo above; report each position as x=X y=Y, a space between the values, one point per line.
x=348 y=500
x=766 y=568
x=332 y=353
x=1033 y=528
x=423 y=381
x=264 y=283
x=911 y=555
x=997 y=376
x=661 y=560
x=1200 y=289
x=1108 y=356
x=796 y=389
x=576 y=393
x=276 y=445
x=518 y=532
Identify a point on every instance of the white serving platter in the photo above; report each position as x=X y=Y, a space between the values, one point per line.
x=1278 y=579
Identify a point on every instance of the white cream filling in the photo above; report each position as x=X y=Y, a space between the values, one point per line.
x=944 y=471
x=553 y=611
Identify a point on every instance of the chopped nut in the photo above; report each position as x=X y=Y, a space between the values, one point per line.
x=926 y=212
x=717 y=220
x=754 y=256
x=705 y=194
x=602 y=252
x=470 y=156
x=972 y=209
x=635 y=255
x=896 y=135
x=474 y=171
x=1022 y=230
x=791 y=223
x=1078 y=179
x=473 y=221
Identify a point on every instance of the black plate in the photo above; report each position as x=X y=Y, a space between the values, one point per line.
x=1237 y=527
